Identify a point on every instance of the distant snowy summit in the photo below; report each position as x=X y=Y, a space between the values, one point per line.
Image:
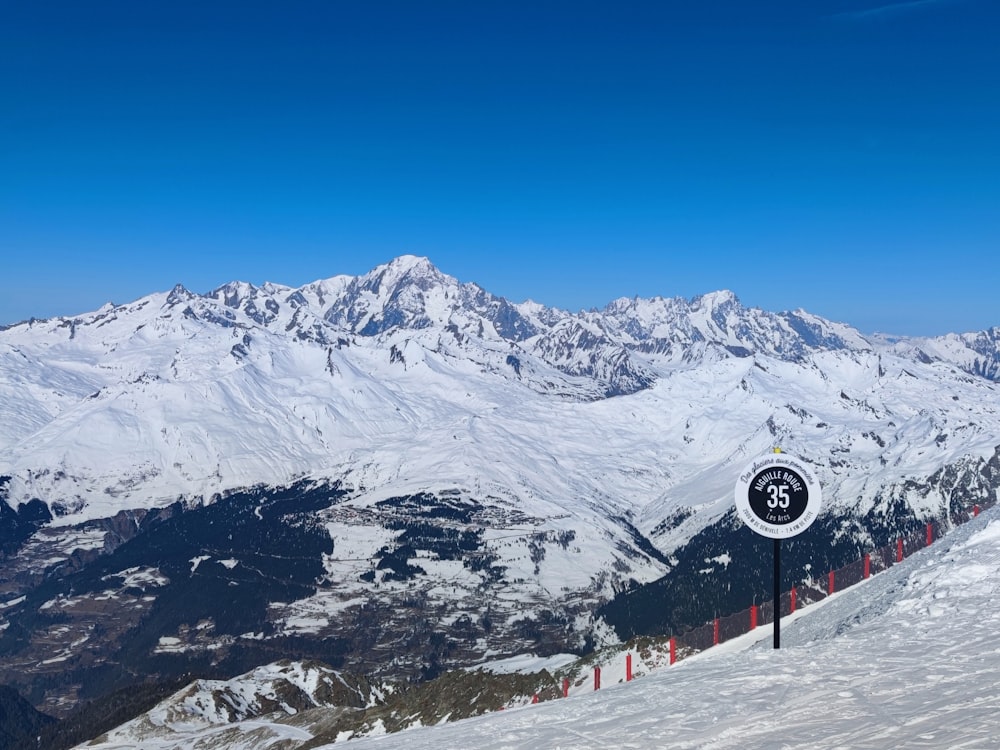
x=179 y=393
x=409 y=294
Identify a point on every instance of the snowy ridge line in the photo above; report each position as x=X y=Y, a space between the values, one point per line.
x=655 y=652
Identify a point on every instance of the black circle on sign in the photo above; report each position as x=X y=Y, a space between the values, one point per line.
x=778 y=495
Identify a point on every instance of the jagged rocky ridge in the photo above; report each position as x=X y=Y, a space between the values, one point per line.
x=458 y=476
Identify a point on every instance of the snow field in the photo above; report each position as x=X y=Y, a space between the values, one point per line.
x=871 y=668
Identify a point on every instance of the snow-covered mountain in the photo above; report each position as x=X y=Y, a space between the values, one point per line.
x=427 y=452
x=184 y=395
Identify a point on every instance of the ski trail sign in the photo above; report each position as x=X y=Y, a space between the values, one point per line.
x=778 y=496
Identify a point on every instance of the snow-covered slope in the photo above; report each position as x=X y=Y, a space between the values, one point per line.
x=220 y=714
x=976 y=353
x=906 y=659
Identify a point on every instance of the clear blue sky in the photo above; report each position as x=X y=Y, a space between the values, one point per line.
x=837 y=155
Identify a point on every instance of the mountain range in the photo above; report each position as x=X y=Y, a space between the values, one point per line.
x=400 y=473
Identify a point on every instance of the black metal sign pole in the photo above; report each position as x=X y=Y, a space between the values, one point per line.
x=777 y=593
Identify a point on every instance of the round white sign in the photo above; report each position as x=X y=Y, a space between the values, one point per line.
x=778 y=496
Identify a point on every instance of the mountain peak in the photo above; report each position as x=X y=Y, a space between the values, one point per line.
x=715 y=300
x=234 y=293
x=410 y=262
x=405 y=267
x=389 y=296
x=179 y=294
